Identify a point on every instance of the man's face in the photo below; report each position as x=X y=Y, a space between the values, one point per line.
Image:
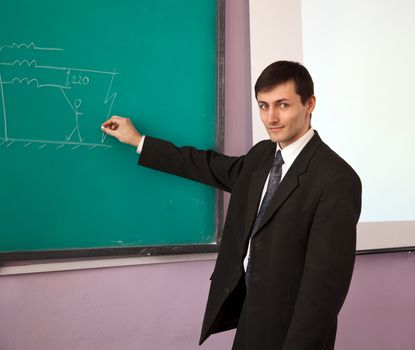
x=284 y=116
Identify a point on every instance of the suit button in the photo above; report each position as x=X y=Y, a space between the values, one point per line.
x=258 y=246
x=226 y=290
x=238 y=268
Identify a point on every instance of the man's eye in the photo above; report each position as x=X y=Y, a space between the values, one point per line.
x=283 y=105
x=263 y=106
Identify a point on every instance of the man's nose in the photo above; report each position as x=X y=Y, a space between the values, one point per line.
x=273 y=115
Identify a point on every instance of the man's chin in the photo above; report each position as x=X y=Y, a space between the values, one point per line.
x=274 y=138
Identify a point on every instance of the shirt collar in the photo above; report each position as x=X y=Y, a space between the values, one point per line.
x=291 y=152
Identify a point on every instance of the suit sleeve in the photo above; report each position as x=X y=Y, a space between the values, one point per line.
x=208 y=167
x=329 y=264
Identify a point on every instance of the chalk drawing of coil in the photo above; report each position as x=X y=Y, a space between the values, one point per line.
x=48 y=105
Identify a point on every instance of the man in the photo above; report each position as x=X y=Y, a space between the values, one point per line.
x=287 y=254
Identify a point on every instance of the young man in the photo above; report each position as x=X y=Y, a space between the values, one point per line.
x=287 y=254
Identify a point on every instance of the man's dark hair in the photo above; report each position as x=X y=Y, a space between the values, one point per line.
x=282 y=71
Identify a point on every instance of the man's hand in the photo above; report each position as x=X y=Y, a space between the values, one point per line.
x=122 y=129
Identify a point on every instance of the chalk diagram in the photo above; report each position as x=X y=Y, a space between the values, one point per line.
x=44 y=103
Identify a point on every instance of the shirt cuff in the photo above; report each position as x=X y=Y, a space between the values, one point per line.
x=140 y=145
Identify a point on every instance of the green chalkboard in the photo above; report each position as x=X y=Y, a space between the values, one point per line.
x=65 y=67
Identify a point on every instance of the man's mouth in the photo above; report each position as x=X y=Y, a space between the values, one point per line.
x=275 y=127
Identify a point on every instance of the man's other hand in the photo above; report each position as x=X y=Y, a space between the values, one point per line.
x=122 y=129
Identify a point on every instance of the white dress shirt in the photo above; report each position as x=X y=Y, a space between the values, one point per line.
x=140 y=144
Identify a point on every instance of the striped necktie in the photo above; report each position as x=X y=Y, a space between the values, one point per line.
x=273 y=182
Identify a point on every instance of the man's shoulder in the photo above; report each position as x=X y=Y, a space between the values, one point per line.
x=331 y=163
x=262 y=146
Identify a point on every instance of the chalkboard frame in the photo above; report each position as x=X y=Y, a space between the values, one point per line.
x=219 y=206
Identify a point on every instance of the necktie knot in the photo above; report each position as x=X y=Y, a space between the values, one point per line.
x=278 y=161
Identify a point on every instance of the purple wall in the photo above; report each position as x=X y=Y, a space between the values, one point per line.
x=160 y=306
x=154 y=307
x=379 y=311
x=150 y=307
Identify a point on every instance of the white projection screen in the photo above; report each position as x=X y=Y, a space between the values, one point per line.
x=361 y=55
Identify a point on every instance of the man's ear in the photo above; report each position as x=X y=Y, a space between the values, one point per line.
x=311 y=104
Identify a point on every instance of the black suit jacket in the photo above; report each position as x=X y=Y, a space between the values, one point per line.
x=302 y=256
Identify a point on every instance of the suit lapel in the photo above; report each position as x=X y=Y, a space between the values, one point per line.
x=291 y=180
